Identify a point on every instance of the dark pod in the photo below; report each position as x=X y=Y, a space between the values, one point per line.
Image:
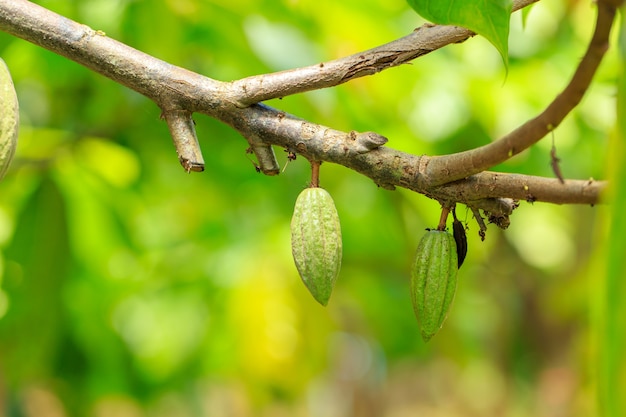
x=458 y=231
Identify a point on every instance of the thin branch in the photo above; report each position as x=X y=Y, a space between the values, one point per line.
x=422 y=41
x=460 y=165
x=530 y=188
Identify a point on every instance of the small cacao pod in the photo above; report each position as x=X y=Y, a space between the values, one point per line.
x=316 y=242
x=433 y=280
x=9 y=119
x=460 y=238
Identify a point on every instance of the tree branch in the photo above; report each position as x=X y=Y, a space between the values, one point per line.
x=164 y=83
x=422 y=41
x=181 y=92
x=389 y=168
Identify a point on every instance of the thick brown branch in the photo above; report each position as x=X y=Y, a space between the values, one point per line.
x=460 y=165
x=389 y=168
x=174 y=89
x=158 y=80
x=422 y=41
x=177 y=89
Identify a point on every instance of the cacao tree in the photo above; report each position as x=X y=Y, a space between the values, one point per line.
x=132 y=286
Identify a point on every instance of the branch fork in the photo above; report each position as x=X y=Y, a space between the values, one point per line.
x=461 y=177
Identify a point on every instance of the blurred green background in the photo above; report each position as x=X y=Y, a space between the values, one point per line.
x=131 y=288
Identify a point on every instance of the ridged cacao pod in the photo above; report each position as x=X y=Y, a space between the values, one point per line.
x=9 y=119
x=433 y=280
x=316 y=242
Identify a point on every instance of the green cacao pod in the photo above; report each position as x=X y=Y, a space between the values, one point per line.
x=433 y=280
x=9 y=119
x=316 y=242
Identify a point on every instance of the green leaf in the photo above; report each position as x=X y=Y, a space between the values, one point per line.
x=488 y=18
x=525 y=12
x=611 y=337
x=37 y=265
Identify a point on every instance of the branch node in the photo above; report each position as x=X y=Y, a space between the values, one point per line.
x=368 y=141
x=268 y=164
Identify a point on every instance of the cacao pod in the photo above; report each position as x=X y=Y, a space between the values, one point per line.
x=316 y=242
x=433 y=280
x=460 y=238
x=9 y=119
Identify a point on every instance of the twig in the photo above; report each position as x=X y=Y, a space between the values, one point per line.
x=422 y=41
x=482 y=227
x=183 y=133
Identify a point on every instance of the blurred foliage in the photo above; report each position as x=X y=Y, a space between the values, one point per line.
x=131 y=288
x=610 y=316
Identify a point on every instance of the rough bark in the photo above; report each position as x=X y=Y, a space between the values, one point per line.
x=450 y=179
